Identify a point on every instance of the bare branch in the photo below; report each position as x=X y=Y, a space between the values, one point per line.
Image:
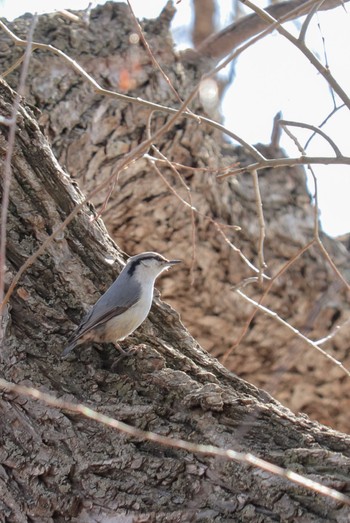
x=165 y=441
x=283 y=269
x=316 y=223
x=332 y=264
x=203 y=23
x=151 y=55
x=259 y=206
x=238 y=251
x=333 y=333
x=294 y=330
x=130 y=99
x=324 y=71
x=324 y=122
x=281 y=162
x=308 y=19
x=7 y=166
x=194 y=210
x=317 y=131
x=221 y=43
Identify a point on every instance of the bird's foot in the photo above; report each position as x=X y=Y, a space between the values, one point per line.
x=123 y=354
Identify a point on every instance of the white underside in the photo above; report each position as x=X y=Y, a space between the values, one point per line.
x=121 y=326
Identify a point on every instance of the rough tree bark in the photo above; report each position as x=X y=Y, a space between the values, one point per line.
x=59 y=467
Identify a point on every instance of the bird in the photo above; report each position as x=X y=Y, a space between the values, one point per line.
x=125 y=305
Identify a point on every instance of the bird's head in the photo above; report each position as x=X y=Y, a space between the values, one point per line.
x=148 y=265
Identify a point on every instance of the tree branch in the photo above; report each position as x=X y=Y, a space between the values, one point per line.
x=220 y=44
x=281 y=162
x=196 y=448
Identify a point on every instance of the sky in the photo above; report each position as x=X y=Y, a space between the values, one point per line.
x=271 y=76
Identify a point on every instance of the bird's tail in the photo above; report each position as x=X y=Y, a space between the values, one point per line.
x=69 y=348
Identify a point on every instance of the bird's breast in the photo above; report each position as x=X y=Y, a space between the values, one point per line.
x=121 y=326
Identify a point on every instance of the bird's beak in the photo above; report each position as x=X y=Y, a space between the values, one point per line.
x=174 y=262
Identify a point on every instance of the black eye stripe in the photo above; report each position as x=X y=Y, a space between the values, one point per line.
x=135 y=263
x=133 y=266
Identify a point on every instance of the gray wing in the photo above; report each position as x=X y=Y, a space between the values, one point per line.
x=120 y=296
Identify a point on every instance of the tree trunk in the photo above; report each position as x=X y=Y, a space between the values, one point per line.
x=56 y=466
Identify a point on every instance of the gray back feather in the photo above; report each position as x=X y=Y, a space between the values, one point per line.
x=120 y=296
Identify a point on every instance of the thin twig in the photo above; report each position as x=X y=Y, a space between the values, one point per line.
x=151 y=55
x=323 y=123
x=196 y=448
x=259 y=207
x=332 y=264
x=130 y=99
x=219 y=228
x=316 y=215
x=326 y=59
x=333 y=333
x=307 y=21
x=14 y=66
x=218 y=45
x=192 y=209
x=188 y=204
x=316 y=220
x=316 y=130
x=7 y=166
x=274 y=163
x=217 y=225
x=283 y=269
x=302 y=151
x=210 y=170
x=69 y=16
x=294 y=330
x=324 y=71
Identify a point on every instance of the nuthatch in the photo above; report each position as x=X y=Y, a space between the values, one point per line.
x=125 y=305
